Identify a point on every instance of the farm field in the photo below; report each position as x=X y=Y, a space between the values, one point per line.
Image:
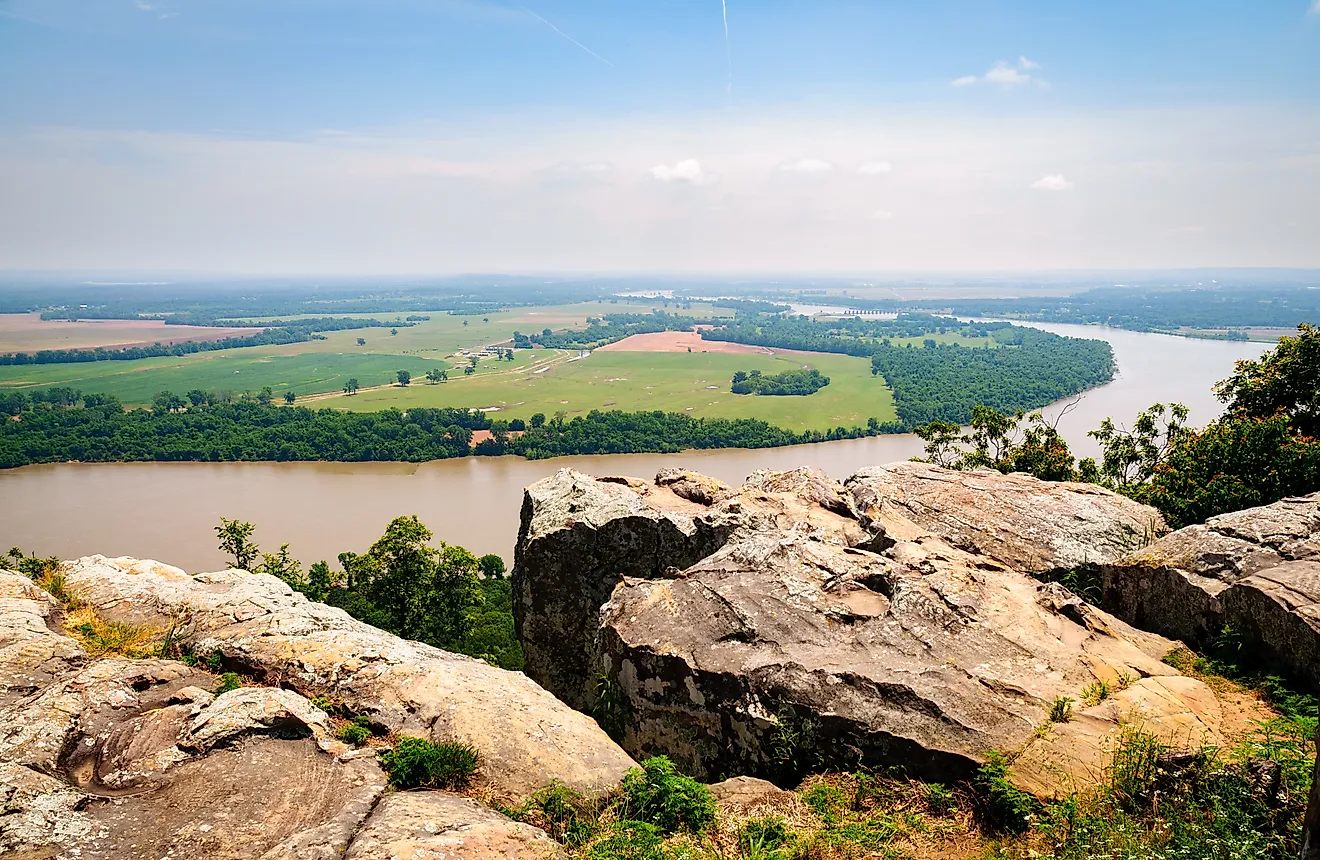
x=235 y=371
x=694 y=383
x=30 y=333
x=308 y=368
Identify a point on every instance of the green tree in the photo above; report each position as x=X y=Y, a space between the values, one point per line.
x=235 y=542
x=362 y=341
x=319 y=582
x=433 y=376
x=197 y=397
x=491 y=566
x=289 y=397
x=1131 y=457
x=404 y=377
x=393 y=332
x=351 y=387
x=537 y=420
x=472 y=360
x=265 y=396
x=1285 y=381
x=166 y=402
x=283 y=566
x=469 y=370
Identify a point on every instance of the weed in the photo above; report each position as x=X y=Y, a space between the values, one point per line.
x=1007 y=807
x=354 y=734
x=940 y=799
x=761 y=835
x=658 y=794
x=608 y=709
x=418 y=763
x=630 y=840
x=826 y=800
x=564 y=813
x=227 y=682
x=1061 y=709
x=1123 y=681
x=1096 y=692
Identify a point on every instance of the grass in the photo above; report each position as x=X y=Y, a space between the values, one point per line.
x=695 y=384
x=30 y=333
x=418 y=763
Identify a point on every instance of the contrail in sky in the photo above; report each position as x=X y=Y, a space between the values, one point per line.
x=728 y=52
x=568 y=37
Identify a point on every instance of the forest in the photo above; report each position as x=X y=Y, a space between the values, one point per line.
x=850 y=335
x=788 y=383
x=276 y=333
x=62 y=424
x=1145 y=309
x=609 y=329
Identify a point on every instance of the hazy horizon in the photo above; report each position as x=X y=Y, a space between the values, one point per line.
x=413 y=139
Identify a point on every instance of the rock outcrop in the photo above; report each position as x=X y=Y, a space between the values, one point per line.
x=1257 y=570
x=820 y=627
x=1027 y=524
x=261 y=627
x=110 y=758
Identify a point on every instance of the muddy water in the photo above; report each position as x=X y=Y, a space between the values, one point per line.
x=167 y=510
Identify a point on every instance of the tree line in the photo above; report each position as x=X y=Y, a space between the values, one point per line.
x=275 y=334
x=1262 y=449
x=609 y=329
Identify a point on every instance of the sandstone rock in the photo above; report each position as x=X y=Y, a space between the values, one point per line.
x=790 y=647
x=525 y=736
x=36 y=810
x=256 y=710
x=1256 y=569
x=1020 y=521
x=436 y=825
x=33 y=650
x=581 y=536
x=742 y=793
x=692 y=486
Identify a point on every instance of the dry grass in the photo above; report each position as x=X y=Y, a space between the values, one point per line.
x=102 y=638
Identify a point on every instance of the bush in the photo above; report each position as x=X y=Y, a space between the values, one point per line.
x=1007 y=807
x=226 y=682
x=355 y=734
x=658 y=794
x=418 y=763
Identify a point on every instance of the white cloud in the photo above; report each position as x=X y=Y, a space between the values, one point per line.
x=1052 y=182
x=881 y=215
x=1004 y=74
x=1315 y=8
x=875 y=168
x=688 y=170
x=807 y=165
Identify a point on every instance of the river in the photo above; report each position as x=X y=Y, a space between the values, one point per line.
x=167 y=511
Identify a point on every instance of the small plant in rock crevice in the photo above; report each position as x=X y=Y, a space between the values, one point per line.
x=419 y=763
x=1060 y=710
x=227 y=682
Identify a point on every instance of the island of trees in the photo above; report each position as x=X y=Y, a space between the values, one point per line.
x=790 y=382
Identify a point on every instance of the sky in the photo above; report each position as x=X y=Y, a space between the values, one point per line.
x=442 y=136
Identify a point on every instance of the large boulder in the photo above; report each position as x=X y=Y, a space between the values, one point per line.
x=825 y=632
x=112 y=759
x=580 y=536
x=1030 y=525
x=525 y=736
x=1257 y=570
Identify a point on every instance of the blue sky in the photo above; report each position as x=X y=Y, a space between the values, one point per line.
x=455 y=135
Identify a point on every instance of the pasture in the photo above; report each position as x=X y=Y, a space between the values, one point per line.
x=693 y=383
x=30 y=333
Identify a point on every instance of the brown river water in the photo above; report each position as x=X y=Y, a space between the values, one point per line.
x=167 y=511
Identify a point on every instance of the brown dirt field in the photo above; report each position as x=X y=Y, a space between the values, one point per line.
x=680 y=341
x=30 y=333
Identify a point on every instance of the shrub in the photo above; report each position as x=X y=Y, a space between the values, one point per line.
x=1061 y=710
x=1096 y=692
x=658 y=794
x=1007 y=807
x=354 y=734
x=418 y=763
x=226 y=682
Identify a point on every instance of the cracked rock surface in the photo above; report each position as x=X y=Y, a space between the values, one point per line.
x=1257 y=569
x=112 y=759
x=796 y=624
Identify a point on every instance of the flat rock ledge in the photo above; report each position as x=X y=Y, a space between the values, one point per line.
x=796 y=624
x=112 y=759
x=1257 y=570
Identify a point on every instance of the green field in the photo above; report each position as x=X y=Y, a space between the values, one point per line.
x=693 y=383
